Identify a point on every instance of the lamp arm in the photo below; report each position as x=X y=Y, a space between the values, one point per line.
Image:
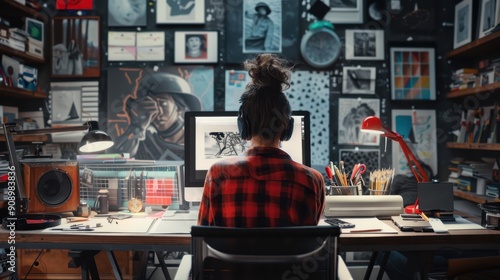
x=22 y=201
x=413 y=163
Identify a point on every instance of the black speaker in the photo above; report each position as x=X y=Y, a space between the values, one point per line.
x=51 y=187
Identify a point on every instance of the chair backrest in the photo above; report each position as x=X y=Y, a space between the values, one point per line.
x=305 y=252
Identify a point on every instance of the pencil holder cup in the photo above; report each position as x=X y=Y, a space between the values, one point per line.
x=379 y=192
x=343 y=190
x=101 y=204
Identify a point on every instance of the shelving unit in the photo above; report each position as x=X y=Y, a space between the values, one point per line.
x=14 y=92
x=474 y=197
x=483 y=48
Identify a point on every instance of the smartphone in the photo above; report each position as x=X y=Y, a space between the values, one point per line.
x=339 y=222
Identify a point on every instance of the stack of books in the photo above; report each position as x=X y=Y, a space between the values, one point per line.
x=464 y=78
x=470 y=172
x=481 y=125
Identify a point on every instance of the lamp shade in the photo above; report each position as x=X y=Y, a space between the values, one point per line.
x=372 y=124
x=95 y=140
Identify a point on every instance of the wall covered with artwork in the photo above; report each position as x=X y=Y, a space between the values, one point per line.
x=391 y=58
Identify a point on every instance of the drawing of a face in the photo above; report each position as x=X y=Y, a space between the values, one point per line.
x=167 y=112
x=194 y=43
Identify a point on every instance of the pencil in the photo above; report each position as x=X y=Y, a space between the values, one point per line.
x=424 y=216
x=365 y=230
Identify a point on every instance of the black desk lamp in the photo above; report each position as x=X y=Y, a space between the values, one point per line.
x=95 y=140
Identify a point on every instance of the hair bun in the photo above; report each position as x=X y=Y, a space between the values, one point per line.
x=269 y=71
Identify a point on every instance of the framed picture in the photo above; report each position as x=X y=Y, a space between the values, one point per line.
x=351 y=113
x=127 y=13
x=463 y=24
x=180 y=11
x=411 y=15
x=413 y=74
x=342 y=11
x=76 y=47
x=364 y=44
x=489 y=16
x=196 y=47
x=74 y=5
x=262 y=26
x=359 y=80
x=285 y=39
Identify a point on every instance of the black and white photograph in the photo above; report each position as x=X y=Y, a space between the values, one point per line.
x=87 y=178
x=127 y=12
x=364 y=44
x=75 y=47
x=359 y=80
x=262 y=26
x=344 y=11
x=352 y=112
x=180 y=11
x=488 y=17
x=463 y=24
x=196 y=46
x=74 y=102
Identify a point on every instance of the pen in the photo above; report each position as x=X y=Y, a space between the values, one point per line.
x=365 y=230
x=73 y=229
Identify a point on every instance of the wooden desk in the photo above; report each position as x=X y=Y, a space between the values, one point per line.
x=422 y=243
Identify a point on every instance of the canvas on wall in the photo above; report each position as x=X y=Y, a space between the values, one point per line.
x=351 y=113
x=236 y=81
x=418 y=128
x=413 y=73
x=145 y=121
x=180 y=11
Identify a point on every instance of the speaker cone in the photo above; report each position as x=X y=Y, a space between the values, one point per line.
x=54 y=188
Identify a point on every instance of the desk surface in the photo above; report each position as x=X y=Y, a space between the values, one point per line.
x=402 y=241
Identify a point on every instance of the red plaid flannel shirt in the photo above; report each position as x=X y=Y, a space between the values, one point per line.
x=265 y=188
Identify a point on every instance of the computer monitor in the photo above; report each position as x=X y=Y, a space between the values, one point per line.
x=213 y=135
x=435 y=197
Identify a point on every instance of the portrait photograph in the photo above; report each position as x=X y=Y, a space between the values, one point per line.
x=75 y=47
x=344 y=11
x=360 y=80
x=463 y=24
x=127 y=12
x=180 y=11
x=262 y=26
x=196 y=46
x=364 y=44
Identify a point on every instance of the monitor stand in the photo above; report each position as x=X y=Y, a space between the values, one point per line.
x=443 y=216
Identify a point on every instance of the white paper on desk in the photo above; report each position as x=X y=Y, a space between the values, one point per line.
x=150 y=53
x=130 y=225
x=461 y=223
x=173 y=226
x=366 y=224
x=121 y=39
x=121 y=53
x=176 y=215
x=151 y=39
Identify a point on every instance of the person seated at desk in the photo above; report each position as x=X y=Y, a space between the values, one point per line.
x=264 y=187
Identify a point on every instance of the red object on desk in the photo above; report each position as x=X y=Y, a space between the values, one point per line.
x=373 y=124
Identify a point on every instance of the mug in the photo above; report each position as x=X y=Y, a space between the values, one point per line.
x=101 y=204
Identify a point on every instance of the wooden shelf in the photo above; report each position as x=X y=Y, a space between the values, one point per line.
x=28 y=138
x=24 y=56
x=491 y=88
x=22 y=8
x=473 y=196
x=473 y=146
x=14 y=92
x=478 y=49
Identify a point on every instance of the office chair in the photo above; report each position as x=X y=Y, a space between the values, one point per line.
x=264 y=253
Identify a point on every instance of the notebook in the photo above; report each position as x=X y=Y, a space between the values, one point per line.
x=411 y=224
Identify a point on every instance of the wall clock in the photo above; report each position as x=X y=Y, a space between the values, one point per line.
x=320 y=46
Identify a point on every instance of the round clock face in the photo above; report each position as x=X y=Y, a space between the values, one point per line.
x=134 y=205
x=320 y=48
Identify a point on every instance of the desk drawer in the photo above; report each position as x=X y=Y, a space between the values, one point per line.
x=53 y=264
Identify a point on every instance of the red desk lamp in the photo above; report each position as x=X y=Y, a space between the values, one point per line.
x=373 y=124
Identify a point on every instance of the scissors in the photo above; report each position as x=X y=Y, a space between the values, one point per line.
x=358 y=169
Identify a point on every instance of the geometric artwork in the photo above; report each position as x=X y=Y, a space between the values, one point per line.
x=310 y=91
x=145 y=114
x=418 y=129
x=74 y=102
x=352 y=112
x=413 y=74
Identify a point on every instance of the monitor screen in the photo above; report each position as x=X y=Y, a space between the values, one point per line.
x=435 y=197
x=211 y=136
